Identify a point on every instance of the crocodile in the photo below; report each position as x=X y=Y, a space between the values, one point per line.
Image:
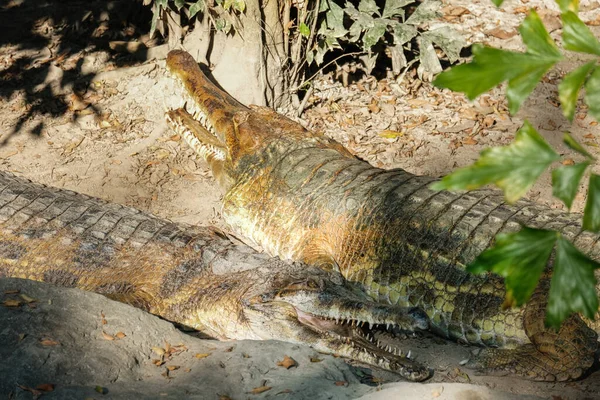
x=193 y=276
x=302 y=196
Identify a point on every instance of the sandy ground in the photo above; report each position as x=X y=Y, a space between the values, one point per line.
x=90 y=119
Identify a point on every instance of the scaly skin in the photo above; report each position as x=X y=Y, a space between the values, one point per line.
x=193 y=276
x=301 y=196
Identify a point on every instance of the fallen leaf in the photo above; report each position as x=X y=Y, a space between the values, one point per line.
x=223 y=397
x=104 y=322
x=158 y=362
x=120 y=335
x=11 y=303
x=34 y=392
x=175 y=138
x=229 y=349
x=187 y=370
x=12 y=291
x=315 y=359
x=501 y=33
x=469 y=141
x=260 y=389
x=202 y=355
x=107 y=336
x=21 y=336
x=341 y=383
x=388 y=134
x=158 y=350
x=285 y=391
x=173 y=367
x=101 y=390
x=45 y=387
x=287 y=362
x=374 y=108
x=26 y=298
x=48 y=342
x=568 y=161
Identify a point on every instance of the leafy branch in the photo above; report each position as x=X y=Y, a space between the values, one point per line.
x=522 y=257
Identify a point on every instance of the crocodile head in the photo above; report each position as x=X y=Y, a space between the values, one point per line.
x=311 y=306
x=224 y=131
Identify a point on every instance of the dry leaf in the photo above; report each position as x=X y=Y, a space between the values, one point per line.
x=260 y=389
x=341 y=383
x=388 y=134
x=158 y=362
x=104 y=322
x=21 y=336
x=26 y=298
x=568 y=161
x=315 y=359
x=223 y=397
x=229 y=349
x=187 y=370
x=501 y=33
x=45 y=387
x=12 y=291
x=202 y=355
x=158 y=350
x=469 y=141
x=48 y=342
x=107 y=336
x=173 y=367
x=11 y=303
x=374 y=108
x=287 y=362
x=120 y=335
x=34 y=392
x=285 y=391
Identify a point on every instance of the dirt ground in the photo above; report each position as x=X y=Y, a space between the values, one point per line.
x=77 y=111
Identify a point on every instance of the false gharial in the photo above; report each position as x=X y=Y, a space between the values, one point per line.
x=302 y=196
x=193 y=276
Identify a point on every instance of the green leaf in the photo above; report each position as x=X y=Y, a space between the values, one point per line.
x=574 y=145
x=197 y=7
x=565 y=181
x=520 y=258
x=179 y=4
x=448 y=39
x=373 y=35
x=592 y=93
x=568 y=89
x=227 y=4
x=568 y=5
x=428 y=10
x=577 y=36
x=573 y=285
x=155 y=15
x=368 y=7
x=591 y=214
x=521 y=86
x=304 y=29
x=239 y=5
x=497 y=3
x=492 y=66
x=536 y=38
x=513 y=168
x=403 y=33
x=395 y=8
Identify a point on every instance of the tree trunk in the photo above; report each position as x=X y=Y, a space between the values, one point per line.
x=249 y=62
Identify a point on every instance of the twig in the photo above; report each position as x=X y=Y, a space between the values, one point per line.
x=304 y=101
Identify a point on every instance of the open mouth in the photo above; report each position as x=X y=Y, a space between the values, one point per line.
x=197 y=132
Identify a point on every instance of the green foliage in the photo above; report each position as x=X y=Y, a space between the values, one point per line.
x=194 y=8
x=492 y=66
x=573 y=286
x=513 y=168
x=369 y=25
x=568 y=89
x=522 y=256
x=565 y=181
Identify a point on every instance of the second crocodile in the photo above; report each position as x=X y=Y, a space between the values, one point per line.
x=302 y=196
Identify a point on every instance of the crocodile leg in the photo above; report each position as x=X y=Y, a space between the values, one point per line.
x=552 y=355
